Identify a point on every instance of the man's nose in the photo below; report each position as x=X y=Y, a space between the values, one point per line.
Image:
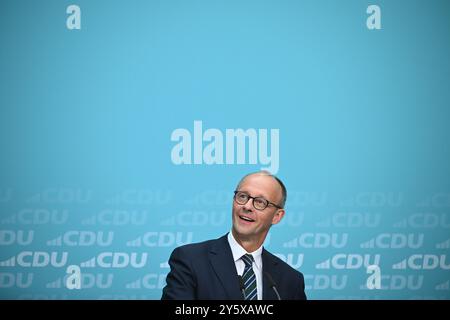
x=249 y=205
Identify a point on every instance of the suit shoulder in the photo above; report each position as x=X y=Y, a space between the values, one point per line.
x=283 y=266
x=194 y=249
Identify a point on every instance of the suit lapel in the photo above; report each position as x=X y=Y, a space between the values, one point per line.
x=222 y=262
x=269 y=266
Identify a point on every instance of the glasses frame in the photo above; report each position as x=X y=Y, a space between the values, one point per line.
x=253 y=202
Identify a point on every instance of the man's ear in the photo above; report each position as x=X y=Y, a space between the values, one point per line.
x=278 y=216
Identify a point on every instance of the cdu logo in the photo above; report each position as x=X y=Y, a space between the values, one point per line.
x=351 y=220
x=149 y=281
x=423 y=262
x=13 y=237
x=117 y=217
x=190 y=218
x=349 y=261
x=83 y=239
x=428 y=220
x=304 y=198
x=37 y=259
x=141 y=197
x=64 y=195
x=38 y=217
x=325 y=282
x=117 y=260
x=395 y=241
x=17 y=280
x=318 y=240
x=161 y=239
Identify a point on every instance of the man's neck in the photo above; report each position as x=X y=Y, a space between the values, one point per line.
x=249 y=244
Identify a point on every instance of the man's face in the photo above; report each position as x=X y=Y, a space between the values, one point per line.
x=250 y=223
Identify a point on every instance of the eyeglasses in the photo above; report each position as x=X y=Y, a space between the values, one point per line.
x=259 y=203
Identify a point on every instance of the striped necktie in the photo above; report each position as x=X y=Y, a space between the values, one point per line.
x=249 y=278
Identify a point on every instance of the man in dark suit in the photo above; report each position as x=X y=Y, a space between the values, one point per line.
x=236 y=266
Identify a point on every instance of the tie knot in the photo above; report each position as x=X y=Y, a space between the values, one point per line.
x=248 y=259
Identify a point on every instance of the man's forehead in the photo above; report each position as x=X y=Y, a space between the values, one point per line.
x=261 y=181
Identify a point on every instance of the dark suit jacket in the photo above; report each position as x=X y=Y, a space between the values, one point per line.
x=206 y=271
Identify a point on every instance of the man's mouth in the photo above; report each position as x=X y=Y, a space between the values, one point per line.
x=246 y=219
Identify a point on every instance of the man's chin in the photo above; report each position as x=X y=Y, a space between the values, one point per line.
x=244 y=232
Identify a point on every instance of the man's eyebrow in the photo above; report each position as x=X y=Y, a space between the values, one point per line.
x=256 y=196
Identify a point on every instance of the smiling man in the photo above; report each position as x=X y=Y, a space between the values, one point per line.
x=236 y=266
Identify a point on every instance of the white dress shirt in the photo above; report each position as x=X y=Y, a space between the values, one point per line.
x=238 y=252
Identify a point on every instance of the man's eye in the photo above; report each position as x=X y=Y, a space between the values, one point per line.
x=260 y=201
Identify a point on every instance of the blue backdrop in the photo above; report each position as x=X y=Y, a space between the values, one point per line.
x=89 y=173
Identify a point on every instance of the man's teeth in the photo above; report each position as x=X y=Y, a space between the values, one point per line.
x=246 y=219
